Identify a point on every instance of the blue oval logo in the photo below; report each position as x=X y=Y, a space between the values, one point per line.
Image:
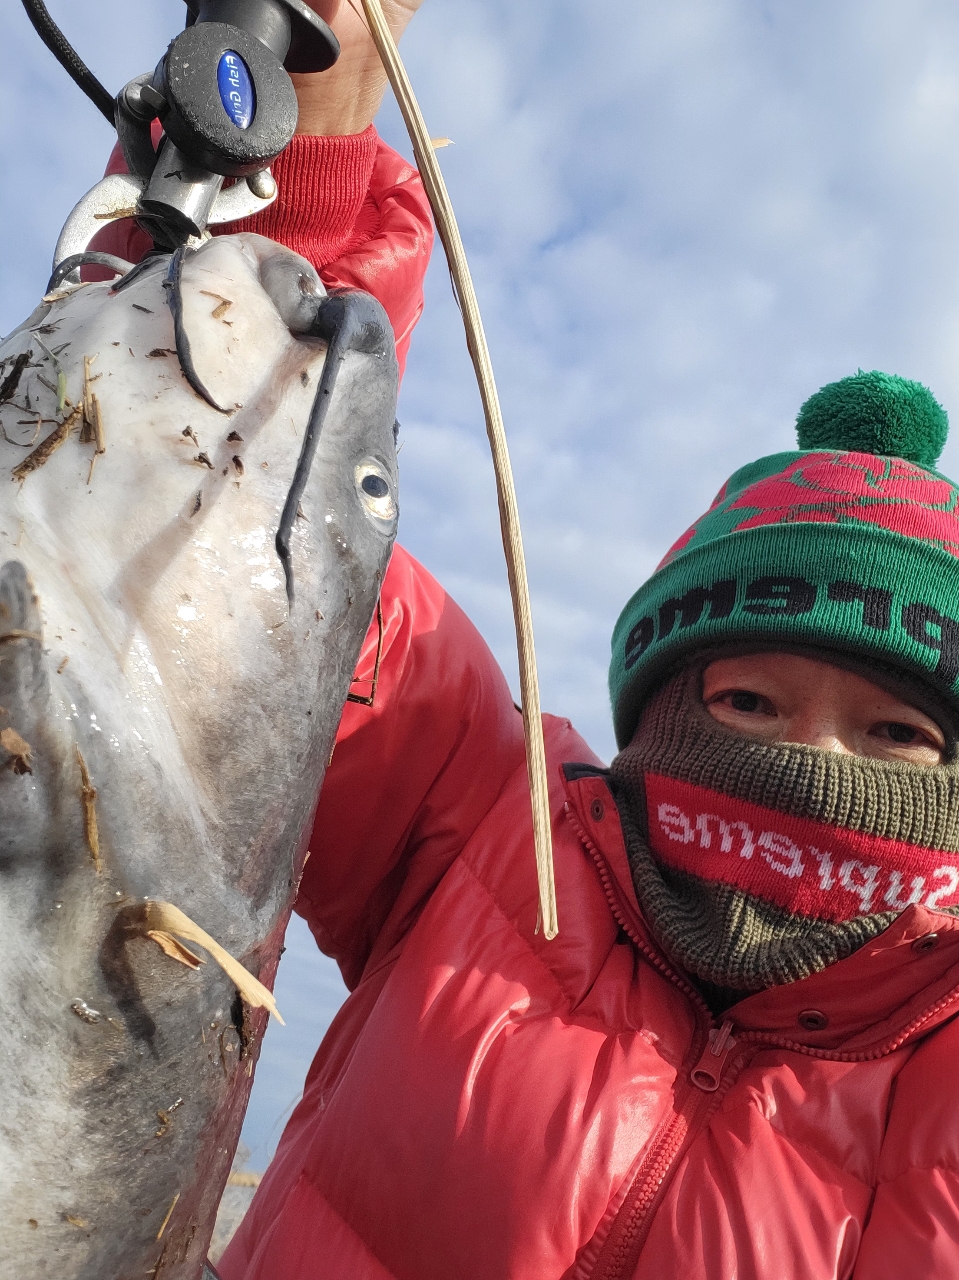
x=236 y=89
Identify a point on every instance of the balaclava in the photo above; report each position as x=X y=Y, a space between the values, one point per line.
x=755 y=863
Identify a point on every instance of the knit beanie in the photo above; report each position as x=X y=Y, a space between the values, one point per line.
x=850 y=544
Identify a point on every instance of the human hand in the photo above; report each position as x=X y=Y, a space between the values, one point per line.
x=347 y=97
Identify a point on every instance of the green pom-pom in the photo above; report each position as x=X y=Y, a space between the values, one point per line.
x=875 y=413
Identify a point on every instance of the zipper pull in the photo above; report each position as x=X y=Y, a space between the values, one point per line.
x=708 y=1071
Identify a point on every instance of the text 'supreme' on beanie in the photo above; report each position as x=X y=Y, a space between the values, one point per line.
x=849 y=544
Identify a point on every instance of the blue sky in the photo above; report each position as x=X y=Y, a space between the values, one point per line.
x=683 y=217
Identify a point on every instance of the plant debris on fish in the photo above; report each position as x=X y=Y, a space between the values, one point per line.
x=47 y=447
x=8 y=388
x=19 y=753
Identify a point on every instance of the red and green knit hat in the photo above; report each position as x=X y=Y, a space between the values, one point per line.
x=849 y=544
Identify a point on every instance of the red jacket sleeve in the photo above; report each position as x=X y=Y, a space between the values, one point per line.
x=412 y=776
x=391 y=263
x=349 y=204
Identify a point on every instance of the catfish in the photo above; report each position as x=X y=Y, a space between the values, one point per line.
x=197 y=511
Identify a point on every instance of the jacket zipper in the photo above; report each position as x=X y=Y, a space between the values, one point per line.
x=716 y=1048
x=716 y=1071
x=621 y=1251
x=707 y=1074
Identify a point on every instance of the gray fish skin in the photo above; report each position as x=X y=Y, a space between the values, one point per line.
x=144 y=626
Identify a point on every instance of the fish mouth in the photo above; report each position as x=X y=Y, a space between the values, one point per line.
x=347 y=321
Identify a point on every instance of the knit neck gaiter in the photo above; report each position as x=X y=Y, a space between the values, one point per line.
x=759 y=864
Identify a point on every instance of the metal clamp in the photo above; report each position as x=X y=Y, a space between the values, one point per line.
x=118 y=196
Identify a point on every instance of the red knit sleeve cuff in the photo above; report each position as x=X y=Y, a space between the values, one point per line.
x=323 y=182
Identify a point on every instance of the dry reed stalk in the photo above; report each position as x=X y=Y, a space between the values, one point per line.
x=506 y=491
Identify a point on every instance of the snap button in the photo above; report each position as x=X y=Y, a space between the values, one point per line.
x=597 y=810
x=813 y=1020
x=928 y=942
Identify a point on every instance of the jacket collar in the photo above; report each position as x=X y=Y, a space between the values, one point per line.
x=896 y=988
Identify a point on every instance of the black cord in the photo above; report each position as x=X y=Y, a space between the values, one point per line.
x=90 y=257
x=66 y=55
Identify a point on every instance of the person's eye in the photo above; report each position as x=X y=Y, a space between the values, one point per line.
x=925 y=746
x=743 y=700
x=907 y=735
x=904 y=733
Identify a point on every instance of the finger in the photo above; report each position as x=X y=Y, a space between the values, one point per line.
x=326 y=9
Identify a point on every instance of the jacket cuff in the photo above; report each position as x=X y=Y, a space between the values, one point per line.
x=323 y=183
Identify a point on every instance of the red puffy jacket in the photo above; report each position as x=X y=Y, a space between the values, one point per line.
x=491 y=1106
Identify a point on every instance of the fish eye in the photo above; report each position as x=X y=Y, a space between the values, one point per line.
x=376 y=491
